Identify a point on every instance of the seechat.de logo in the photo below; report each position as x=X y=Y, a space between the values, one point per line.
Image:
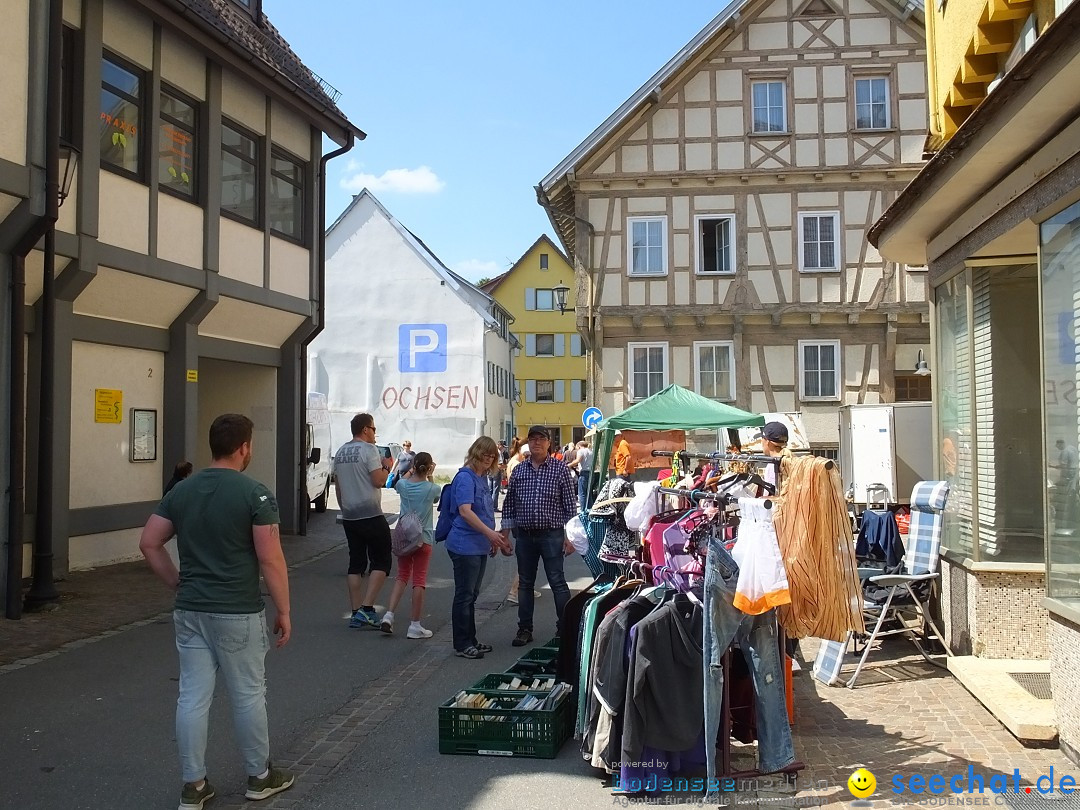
x=422 y=347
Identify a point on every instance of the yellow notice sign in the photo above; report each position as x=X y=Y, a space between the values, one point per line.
x=192 y=375
x=108 y=405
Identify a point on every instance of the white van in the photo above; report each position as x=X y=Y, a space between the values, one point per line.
x=319 y=450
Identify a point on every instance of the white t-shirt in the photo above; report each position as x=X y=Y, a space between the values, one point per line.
x=354 y=463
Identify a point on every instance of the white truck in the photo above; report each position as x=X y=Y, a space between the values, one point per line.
x=888 y=445
x=319 y=450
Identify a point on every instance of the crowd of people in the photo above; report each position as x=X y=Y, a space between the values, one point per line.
x=226 y=525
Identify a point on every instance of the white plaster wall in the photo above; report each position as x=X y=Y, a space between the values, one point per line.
x=101 y=472
x=241 y=252
x=290 y=130
x=364 y=359
x=290 y=268
x=613 y=365
x=129 y=34
x=180 y=231
x=822 y=422
x=124 y=213
x=133 y=298
x=780 y=361
x=635 y=158
x=182 y=66
x=242 y=104
x=89 y=551
x=226 y=387
x=14 y=44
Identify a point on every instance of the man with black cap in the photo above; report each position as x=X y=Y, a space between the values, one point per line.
x=540 y=499
x=774 y=439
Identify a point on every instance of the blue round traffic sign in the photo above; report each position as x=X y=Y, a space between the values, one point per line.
x=591 y=417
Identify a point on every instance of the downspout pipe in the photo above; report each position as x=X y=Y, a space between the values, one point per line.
x=302 y=506
x=42 y=588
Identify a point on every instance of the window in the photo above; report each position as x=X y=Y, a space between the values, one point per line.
x=545 y=390
x=647 y=245
x=769 y=106
x=543 y=261
x=826 y=451
x=872 y=102
x=714 y=369
x=285 y=210
x=239 y=174
x=545 y=345
x=121 y=116
x=819 y=242
x=647 y=368
x=819 y=372
x=176 y=143
x=491 y=377
x=716 y=244
x=912 y=388
x=545 y=300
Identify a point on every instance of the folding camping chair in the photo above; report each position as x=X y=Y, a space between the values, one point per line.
x=920 y=565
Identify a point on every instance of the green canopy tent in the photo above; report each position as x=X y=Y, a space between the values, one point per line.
x=674 y=408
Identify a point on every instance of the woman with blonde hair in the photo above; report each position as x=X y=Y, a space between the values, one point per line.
x=472 y=540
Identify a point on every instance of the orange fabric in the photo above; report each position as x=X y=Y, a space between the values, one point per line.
x=755 y=607
x=624 y=461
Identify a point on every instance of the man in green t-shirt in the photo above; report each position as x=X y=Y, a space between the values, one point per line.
x=226 y=525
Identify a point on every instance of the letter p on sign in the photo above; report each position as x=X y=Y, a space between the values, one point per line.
x=422 y=347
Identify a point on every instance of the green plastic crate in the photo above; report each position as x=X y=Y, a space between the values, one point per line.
x=505 y=731
x=543 y=654
x=496 y=680
x=552 y=644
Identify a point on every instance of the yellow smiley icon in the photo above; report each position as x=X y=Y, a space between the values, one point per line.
x=861 y=783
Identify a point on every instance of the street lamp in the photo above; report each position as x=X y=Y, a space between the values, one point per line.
x=69 y=159
x=921 y=369
x=561 y=291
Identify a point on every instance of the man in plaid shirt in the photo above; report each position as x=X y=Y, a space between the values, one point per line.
x=540 y=499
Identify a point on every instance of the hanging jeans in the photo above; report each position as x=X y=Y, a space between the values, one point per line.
x=757 y=638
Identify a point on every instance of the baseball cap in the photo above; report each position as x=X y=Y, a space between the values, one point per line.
x=538 y=430
x=775 y=432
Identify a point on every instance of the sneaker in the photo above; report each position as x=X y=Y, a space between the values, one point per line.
x=484 y=648
x=274 y=782
x=522 y=638
x=469 y=652
x=387 y=625
x=363 y=618
x=416 y=630
x=512 y=598
x=795 y=666
x=191 y=798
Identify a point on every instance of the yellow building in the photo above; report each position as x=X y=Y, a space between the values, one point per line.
x=995 y=216
x=549 y=371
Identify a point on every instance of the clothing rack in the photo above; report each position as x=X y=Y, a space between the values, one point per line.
x=699 y=495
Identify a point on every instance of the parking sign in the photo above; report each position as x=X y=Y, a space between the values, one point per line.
x=422 y=347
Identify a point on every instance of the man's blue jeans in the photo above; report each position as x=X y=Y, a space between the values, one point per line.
x=583 y=481
x=546 y=545
x=468 y=577
x=234 y=644
x=757 y=638
x=495 y=486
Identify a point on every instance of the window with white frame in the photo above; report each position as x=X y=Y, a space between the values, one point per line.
x=716 y=243
x=819 y=241
x=770 y=107
x=545 y=390
x=647 y=246
x=819 y=369
x=714 y=369
x=647 y=364
x=872 y=102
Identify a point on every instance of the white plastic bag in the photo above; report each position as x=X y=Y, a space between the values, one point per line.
x=575 y=533
x=642 y=509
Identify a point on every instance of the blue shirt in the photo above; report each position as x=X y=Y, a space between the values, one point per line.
x=470 y=488
x=419 y=497
x=539 y=497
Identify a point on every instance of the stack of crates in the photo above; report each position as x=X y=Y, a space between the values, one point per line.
x=501 y=729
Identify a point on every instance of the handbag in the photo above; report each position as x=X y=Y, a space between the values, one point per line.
x=407 y=535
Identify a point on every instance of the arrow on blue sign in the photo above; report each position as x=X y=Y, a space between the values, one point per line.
x=591 y=417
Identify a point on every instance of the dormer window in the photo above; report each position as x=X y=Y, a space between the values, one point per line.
x=253 y=7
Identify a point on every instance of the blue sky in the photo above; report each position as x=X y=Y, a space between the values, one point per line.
x=468 y=105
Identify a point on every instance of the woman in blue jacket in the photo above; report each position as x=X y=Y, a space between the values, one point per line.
x=472 y=540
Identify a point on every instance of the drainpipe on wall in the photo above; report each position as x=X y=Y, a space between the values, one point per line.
x=42 y=588
x=302 y=505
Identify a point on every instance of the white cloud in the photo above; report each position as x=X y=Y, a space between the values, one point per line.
x=421 y=180
x=476 y=269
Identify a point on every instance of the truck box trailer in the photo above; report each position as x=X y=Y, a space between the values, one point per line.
x=889 y=444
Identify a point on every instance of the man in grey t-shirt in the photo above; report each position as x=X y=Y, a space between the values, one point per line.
x=360 y=473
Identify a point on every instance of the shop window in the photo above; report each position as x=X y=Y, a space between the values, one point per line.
x=239 y=174
x=647 y=369
x=912 y=388
x=122 y=89
x=714 y=369
x=285 y=207
x=177 y=132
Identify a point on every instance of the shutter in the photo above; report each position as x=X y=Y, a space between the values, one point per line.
x=575 y=391
x=560 y=389
x=575 y=346
x=983 y=371
x=530 y=345
x=530 y=390
x=530 y=298
x=560 y=345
